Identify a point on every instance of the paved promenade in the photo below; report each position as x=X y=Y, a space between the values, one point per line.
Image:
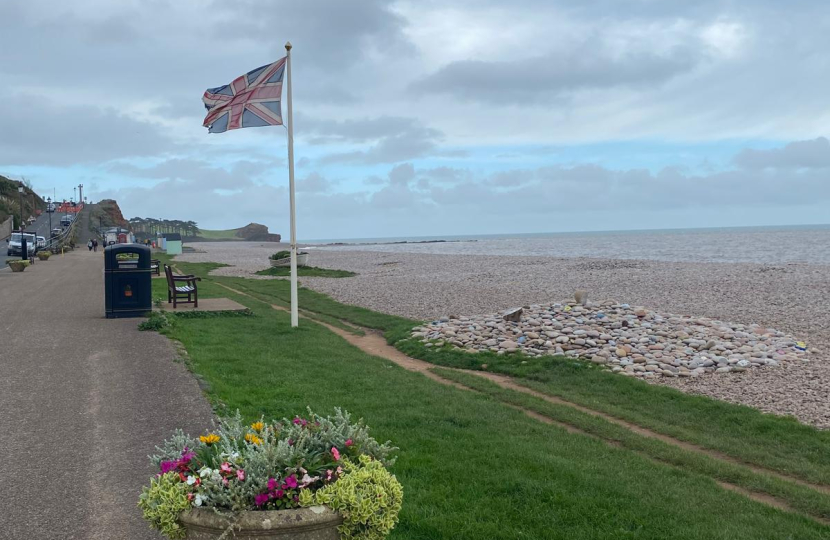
x=83 y=401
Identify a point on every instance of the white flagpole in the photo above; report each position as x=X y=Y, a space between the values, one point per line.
x=294 y=311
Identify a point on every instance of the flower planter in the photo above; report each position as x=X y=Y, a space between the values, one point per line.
x=302 y=260
x=44 y=255
x=313 y=523
x=18 y=266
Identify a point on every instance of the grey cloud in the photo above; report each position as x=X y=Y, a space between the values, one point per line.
x=540 y=79
x=402 y=174
x=334 y=33
x=812 y=154
x=201 y=174
x=313 y=183
x=37 y=131
x=210 y=210
x=361 y=130
x=395 y=139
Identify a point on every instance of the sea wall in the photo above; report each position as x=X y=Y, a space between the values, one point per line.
x=6 y=229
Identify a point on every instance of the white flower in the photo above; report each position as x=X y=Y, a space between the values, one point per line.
x=204 y=472
x=191 y=480
x=198 y=500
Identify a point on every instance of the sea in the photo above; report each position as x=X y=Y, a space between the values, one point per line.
x=771 y=245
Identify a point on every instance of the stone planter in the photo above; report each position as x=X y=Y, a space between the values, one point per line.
x=18 y=266
x=44 y=255
x=314 y=523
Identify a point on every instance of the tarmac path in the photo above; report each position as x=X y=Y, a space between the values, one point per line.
x=83 y=402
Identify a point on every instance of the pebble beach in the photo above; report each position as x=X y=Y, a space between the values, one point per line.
x=790 y=301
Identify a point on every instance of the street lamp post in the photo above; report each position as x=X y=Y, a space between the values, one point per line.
x=20 y=192
x=23 y=253
x=48 y=206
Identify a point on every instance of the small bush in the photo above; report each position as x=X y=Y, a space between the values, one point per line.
x=280 y=255
x=163 y=501
x=156 y=321
x=18 y=265
x=368 y=497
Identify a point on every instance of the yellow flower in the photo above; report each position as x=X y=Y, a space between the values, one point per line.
x=251 y=438
x=210 y=438
x=257 y=426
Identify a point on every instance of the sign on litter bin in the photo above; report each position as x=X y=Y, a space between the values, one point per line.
x=127 y=281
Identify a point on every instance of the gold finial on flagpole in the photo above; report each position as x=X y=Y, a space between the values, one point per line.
x=287 y=45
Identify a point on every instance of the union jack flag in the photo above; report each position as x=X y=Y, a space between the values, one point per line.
x=249 y=101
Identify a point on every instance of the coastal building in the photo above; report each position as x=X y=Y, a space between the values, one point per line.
x=172 y=243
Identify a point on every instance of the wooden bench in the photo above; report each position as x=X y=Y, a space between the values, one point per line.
x=181 y=287
x=155 y=267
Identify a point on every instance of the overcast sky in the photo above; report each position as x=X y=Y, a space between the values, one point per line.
x=430 y=118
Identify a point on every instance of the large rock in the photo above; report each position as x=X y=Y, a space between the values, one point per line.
x=513 y=315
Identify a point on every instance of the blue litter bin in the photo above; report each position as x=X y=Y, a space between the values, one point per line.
x=127 y=281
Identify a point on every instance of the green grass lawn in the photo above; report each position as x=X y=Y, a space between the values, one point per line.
x=471 y=467
x=306 y=271
x=479 y=469
x=770 y=441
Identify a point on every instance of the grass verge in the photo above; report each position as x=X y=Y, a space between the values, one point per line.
x=774 y=442
x=472 y=468
x=798 y=497
x=306 y=271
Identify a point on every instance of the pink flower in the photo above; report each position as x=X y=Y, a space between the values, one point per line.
x=279 y=494
x=335 y=453
x=261 y=499
x=225 y=467
x=240 y=475
x=291 y=482
x=167 y=466
x=328 y=475
x=349 y=442
x=272 y=484
x=224 y=481
x=296 y=420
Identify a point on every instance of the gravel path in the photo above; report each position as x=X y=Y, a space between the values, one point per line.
x=789 y=297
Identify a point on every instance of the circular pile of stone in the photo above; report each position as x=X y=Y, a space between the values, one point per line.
x=629 y=340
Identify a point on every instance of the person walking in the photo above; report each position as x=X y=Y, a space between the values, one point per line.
x=95 y=244
x=89 y=245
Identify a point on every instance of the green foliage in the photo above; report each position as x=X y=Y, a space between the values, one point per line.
x=473 y=468
x=18 y=265
x=280 y=255
x=305 y=271
x=367 y=496
x=157 y=321
x=239 y=463
x=162 y=502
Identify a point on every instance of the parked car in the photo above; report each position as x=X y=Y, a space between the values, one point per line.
x=66 y=220
x=57 y=231
x=15 y=241
x=41 y=242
